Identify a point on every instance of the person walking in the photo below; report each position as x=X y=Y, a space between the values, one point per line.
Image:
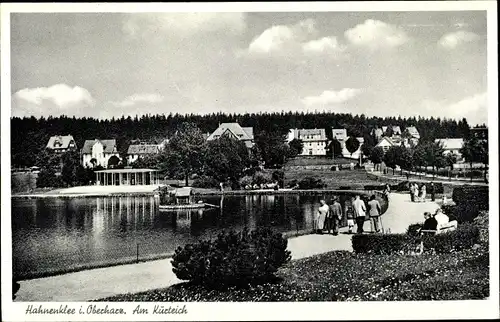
x=335 y=216
x=433 y=192
x=349 y=214
x=322 y=214
x=423 y=192
x=374 y=212
x=412 y=192
x=387 y=191
x=360 y=213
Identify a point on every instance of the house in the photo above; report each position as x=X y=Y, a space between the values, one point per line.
x=136 y=151
x=386 y=142
x=314 y=140
x=184 y=196
x=396 y=130
x=234 y=130
x=98 y=152
x=452 y=146
x=61 y=143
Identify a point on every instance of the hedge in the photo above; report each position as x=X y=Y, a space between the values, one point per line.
x=462 y=238
x=478 y=195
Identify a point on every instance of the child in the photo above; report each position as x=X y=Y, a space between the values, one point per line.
x=349 y=212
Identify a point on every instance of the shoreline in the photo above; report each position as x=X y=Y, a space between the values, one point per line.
x=196 y=192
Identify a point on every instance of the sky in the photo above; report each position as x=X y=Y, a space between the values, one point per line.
x=374 y=63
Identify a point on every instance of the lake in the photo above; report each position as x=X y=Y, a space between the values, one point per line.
x=52 y=234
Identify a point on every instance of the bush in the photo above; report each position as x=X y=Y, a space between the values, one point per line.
x=413 y=229
x=478 y=195
x=279 y=176
x=482 y=222
x=311 y=183
x=262 y=178
x=48 y=179
x=464 y=237
x=205 y=182
x=470 y=200
x=345 y=188
x=383 y=244
x=233 y=259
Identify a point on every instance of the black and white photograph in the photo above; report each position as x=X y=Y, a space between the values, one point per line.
x=164 y=157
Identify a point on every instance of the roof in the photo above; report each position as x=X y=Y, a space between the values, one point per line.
x=303 y=133
x=109 y=145
x=339 y=134
x=242 y=133
x=413 y=131
x=388 y=140
x=60 y=142
x=143 y=149
x=183 y=192
x=451 y=144
x=395 y=129
x=125 y=170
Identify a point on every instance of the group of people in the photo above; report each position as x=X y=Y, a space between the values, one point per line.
x=438 y=222
x=418 y=194
x=330 y=216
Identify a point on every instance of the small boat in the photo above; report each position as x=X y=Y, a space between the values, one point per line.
x=187 y=206
x=182 y=198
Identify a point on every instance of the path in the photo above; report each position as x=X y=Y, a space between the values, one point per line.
x=132 y=278
x=459 y=182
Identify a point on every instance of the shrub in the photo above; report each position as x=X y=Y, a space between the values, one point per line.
x=462 y=238
x=413 y=229
x=262 y=178
x=278 y=176
x=383 y=244
x=478 y=195
x=470 y=200
x=233 y=259
x=311 y=183
x=205 y=182
x=465 y=236
x=482 y=223
x=345 y=188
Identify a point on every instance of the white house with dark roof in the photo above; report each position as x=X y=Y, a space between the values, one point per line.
x=136 y=151
x=235 y=131
x=385 y=143
x=61 y=143
x=314 y=140
x=100 y=150
x=452 y=146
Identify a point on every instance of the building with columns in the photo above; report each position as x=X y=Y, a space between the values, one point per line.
x=127 y=177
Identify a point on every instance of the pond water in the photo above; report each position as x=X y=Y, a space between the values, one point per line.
x=57 y=233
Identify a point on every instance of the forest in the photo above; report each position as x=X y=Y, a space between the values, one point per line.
x=29 y=136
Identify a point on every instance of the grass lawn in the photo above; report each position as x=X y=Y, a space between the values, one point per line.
x=304 y=161
x=356 y=179
x=345 y=276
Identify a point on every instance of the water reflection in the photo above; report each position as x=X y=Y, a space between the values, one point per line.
x=54 y=233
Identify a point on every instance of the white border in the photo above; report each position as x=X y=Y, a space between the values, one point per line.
x=268 y=311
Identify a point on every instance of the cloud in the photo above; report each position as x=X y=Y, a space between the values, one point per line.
x=331 y=97
x=323 y=45
x=139 y=98
x=474 y=108
x=57 y=99
x=282 y=37
x=183 y=23
x=454 y=39
x=375 y=34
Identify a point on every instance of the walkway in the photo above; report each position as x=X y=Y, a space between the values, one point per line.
x=427 y=178
x=104 y=282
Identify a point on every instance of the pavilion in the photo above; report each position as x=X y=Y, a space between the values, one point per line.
x=130 y=177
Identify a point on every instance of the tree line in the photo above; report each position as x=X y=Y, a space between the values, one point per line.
x=29 y=136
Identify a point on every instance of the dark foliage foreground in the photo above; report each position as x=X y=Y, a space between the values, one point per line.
x=232 y=259
x=344 y=276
